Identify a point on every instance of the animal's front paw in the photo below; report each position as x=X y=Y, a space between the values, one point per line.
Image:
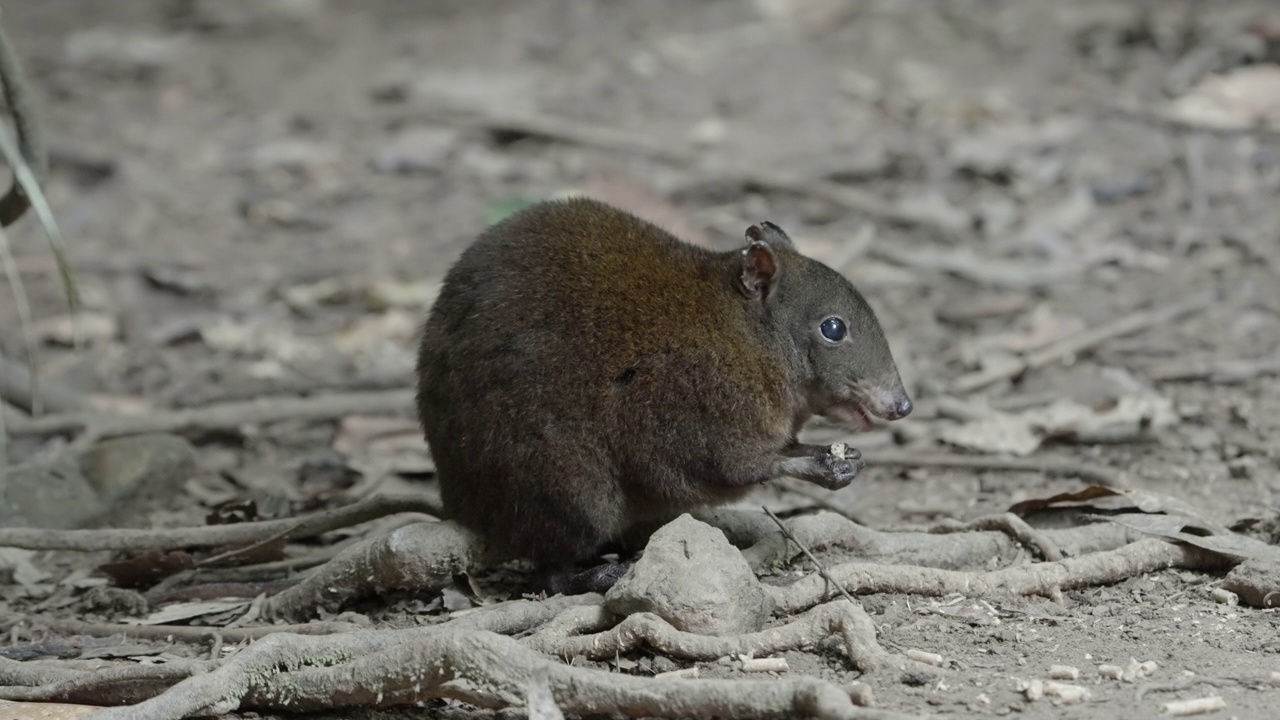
x=840 y=464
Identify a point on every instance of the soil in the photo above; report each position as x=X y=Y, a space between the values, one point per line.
x=216 y=163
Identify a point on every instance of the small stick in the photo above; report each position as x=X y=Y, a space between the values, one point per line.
x=1084 y=471
x=821 y=570
x=220 y=416
x=93 y=540
x=30 y=137
x=1193 y=155
x=1085 y=340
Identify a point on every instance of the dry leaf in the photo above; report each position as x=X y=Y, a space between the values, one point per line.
x=1248 y=96
x=188 y=610
x=1214 y=539
x=17 y=563
x=1113 y=501
x=147 y=568
x=1127 y=420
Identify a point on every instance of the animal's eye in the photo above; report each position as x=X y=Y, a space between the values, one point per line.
x=833 y=329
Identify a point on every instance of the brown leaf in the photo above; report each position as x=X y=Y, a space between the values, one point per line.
x=1113 y=500
x=148 y=568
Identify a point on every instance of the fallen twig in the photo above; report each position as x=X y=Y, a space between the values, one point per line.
x=217 y=417
x=1085 y=340
x=30 y=137
x=1047 y=579
x=1221 y=372
x=1056 y=468
x=821 y=570
x=92 y=540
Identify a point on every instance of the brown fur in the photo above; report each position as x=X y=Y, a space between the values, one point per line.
x=583 y=370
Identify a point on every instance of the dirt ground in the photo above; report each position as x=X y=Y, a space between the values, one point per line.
x=260 y=197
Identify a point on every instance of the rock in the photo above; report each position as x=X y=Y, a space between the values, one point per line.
x=694 y=579
x=1256 y=581
x=127 y=471
x=47 y=494
x=111 y=483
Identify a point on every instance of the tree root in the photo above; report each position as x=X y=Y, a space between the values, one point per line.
x=850 y=621
x=120 y=684
x=1047 y=579
x=765 y=547
x=211 y=535
x=477 y=667
x=1011 y=525
x=422 y=556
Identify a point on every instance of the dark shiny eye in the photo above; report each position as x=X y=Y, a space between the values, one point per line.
x=833 y=329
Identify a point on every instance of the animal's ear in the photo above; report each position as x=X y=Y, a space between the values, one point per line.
x=767 y=232
x=759 y=270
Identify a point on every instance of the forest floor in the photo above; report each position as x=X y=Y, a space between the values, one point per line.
x=261 y=198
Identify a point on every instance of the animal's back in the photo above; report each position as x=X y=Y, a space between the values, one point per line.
x=576 y=372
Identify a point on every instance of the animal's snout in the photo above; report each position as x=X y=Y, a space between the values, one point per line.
x=899 y=408
x=891 y=404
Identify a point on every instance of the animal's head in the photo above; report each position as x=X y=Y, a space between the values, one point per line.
x=836 y=345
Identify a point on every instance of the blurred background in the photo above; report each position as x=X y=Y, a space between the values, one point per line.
x=262 y=197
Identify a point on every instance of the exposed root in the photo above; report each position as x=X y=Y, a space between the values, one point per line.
x=848 y=620
x=121 y=684
x=1011 y=525
x=477 y=667
x=422 y=556
x=1047 y=579
x=574 y=621
x=211 y=535
x=765 y=547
